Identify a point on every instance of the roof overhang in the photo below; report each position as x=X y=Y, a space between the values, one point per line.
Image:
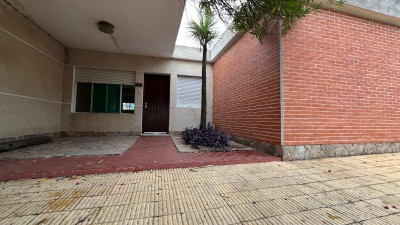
x=142 y=27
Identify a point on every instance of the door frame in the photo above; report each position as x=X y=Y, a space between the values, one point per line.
x=143 y=102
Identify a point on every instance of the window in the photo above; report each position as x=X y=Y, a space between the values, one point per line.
x=128 y=98
x=83 y=97
x=104 y=91
x=106 y=98
x=188 y=92
x=103 y=98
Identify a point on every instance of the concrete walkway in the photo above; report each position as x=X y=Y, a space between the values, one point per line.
x=148 y=153
x=352 y=190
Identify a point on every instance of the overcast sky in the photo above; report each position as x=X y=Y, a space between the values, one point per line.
x=190 y=13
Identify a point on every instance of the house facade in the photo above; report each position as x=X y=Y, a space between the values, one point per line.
x=330 y=87
x=65 y=77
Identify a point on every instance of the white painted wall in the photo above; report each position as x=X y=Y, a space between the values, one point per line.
x=31 y=77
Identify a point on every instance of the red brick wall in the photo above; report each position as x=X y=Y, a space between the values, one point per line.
x=341 y=81
x=246 y=92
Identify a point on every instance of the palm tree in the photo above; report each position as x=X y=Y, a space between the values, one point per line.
x=204 y=32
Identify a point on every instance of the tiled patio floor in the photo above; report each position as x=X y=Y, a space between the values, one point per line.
x=352 y=190
x=74 y=146
x=148 y=153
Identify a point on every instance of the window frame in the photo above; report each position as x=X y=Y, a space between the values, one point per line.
x=122 y=100
x=74 y=90
x=120 y=111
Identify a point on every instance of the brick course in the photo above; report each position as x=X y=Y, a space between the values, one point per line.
x=341 y=81
x=246 y=93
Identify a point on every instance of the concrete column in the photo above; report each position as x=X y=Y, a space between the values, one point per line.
x=139 y=78
x=172 y=101
x=68 y=98
x=172 y=96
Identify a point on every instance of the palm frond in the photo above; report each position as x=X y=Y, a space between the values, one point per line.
x=203 y=30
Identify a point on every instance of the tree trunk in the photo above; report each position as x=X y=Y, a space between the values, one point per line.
x=203 y=119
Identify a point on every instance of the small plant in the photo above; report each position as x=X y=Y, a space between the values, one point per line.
x=207 y=137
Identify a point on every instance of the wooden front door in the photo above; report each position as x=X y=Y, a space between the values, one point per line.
x=156 y=104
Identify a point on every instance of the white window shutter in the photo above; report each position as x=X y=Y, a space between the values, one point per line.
x=189 y=92
x=89 y=75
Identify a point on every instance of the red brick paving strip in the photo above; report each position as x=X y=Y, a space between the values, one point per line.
x=148 y=153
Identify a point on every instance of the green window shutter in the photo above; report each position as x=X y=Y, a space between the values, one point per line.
x=113 y=98
x=99 y=97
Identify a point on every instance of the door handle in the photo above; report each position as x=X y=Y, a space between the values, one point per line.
x=145 y=105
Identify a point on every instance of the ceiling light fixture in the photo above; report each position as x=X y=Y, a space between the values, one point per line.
x=105 y=27
x=108 y=28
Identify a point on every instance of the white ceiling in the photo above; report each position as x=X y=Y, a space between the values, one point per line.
x=142 y=27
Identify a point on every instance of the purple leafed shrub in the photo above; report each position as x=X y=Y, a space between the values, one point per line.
x=207 y=137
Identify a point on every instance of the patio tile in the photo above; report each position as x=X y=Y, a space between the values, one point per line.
x=363 y=193
x=223 y=215
x=34 y=208
x=248 y=211
x=190 y=196
x=7 y=210
x=18 y=220
x=333 y=198
x=341 y=184
x=384 y=220
x=281 y=192
x=317 y=216
x=308 y=202
x=360 y=211
x=387 y=188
